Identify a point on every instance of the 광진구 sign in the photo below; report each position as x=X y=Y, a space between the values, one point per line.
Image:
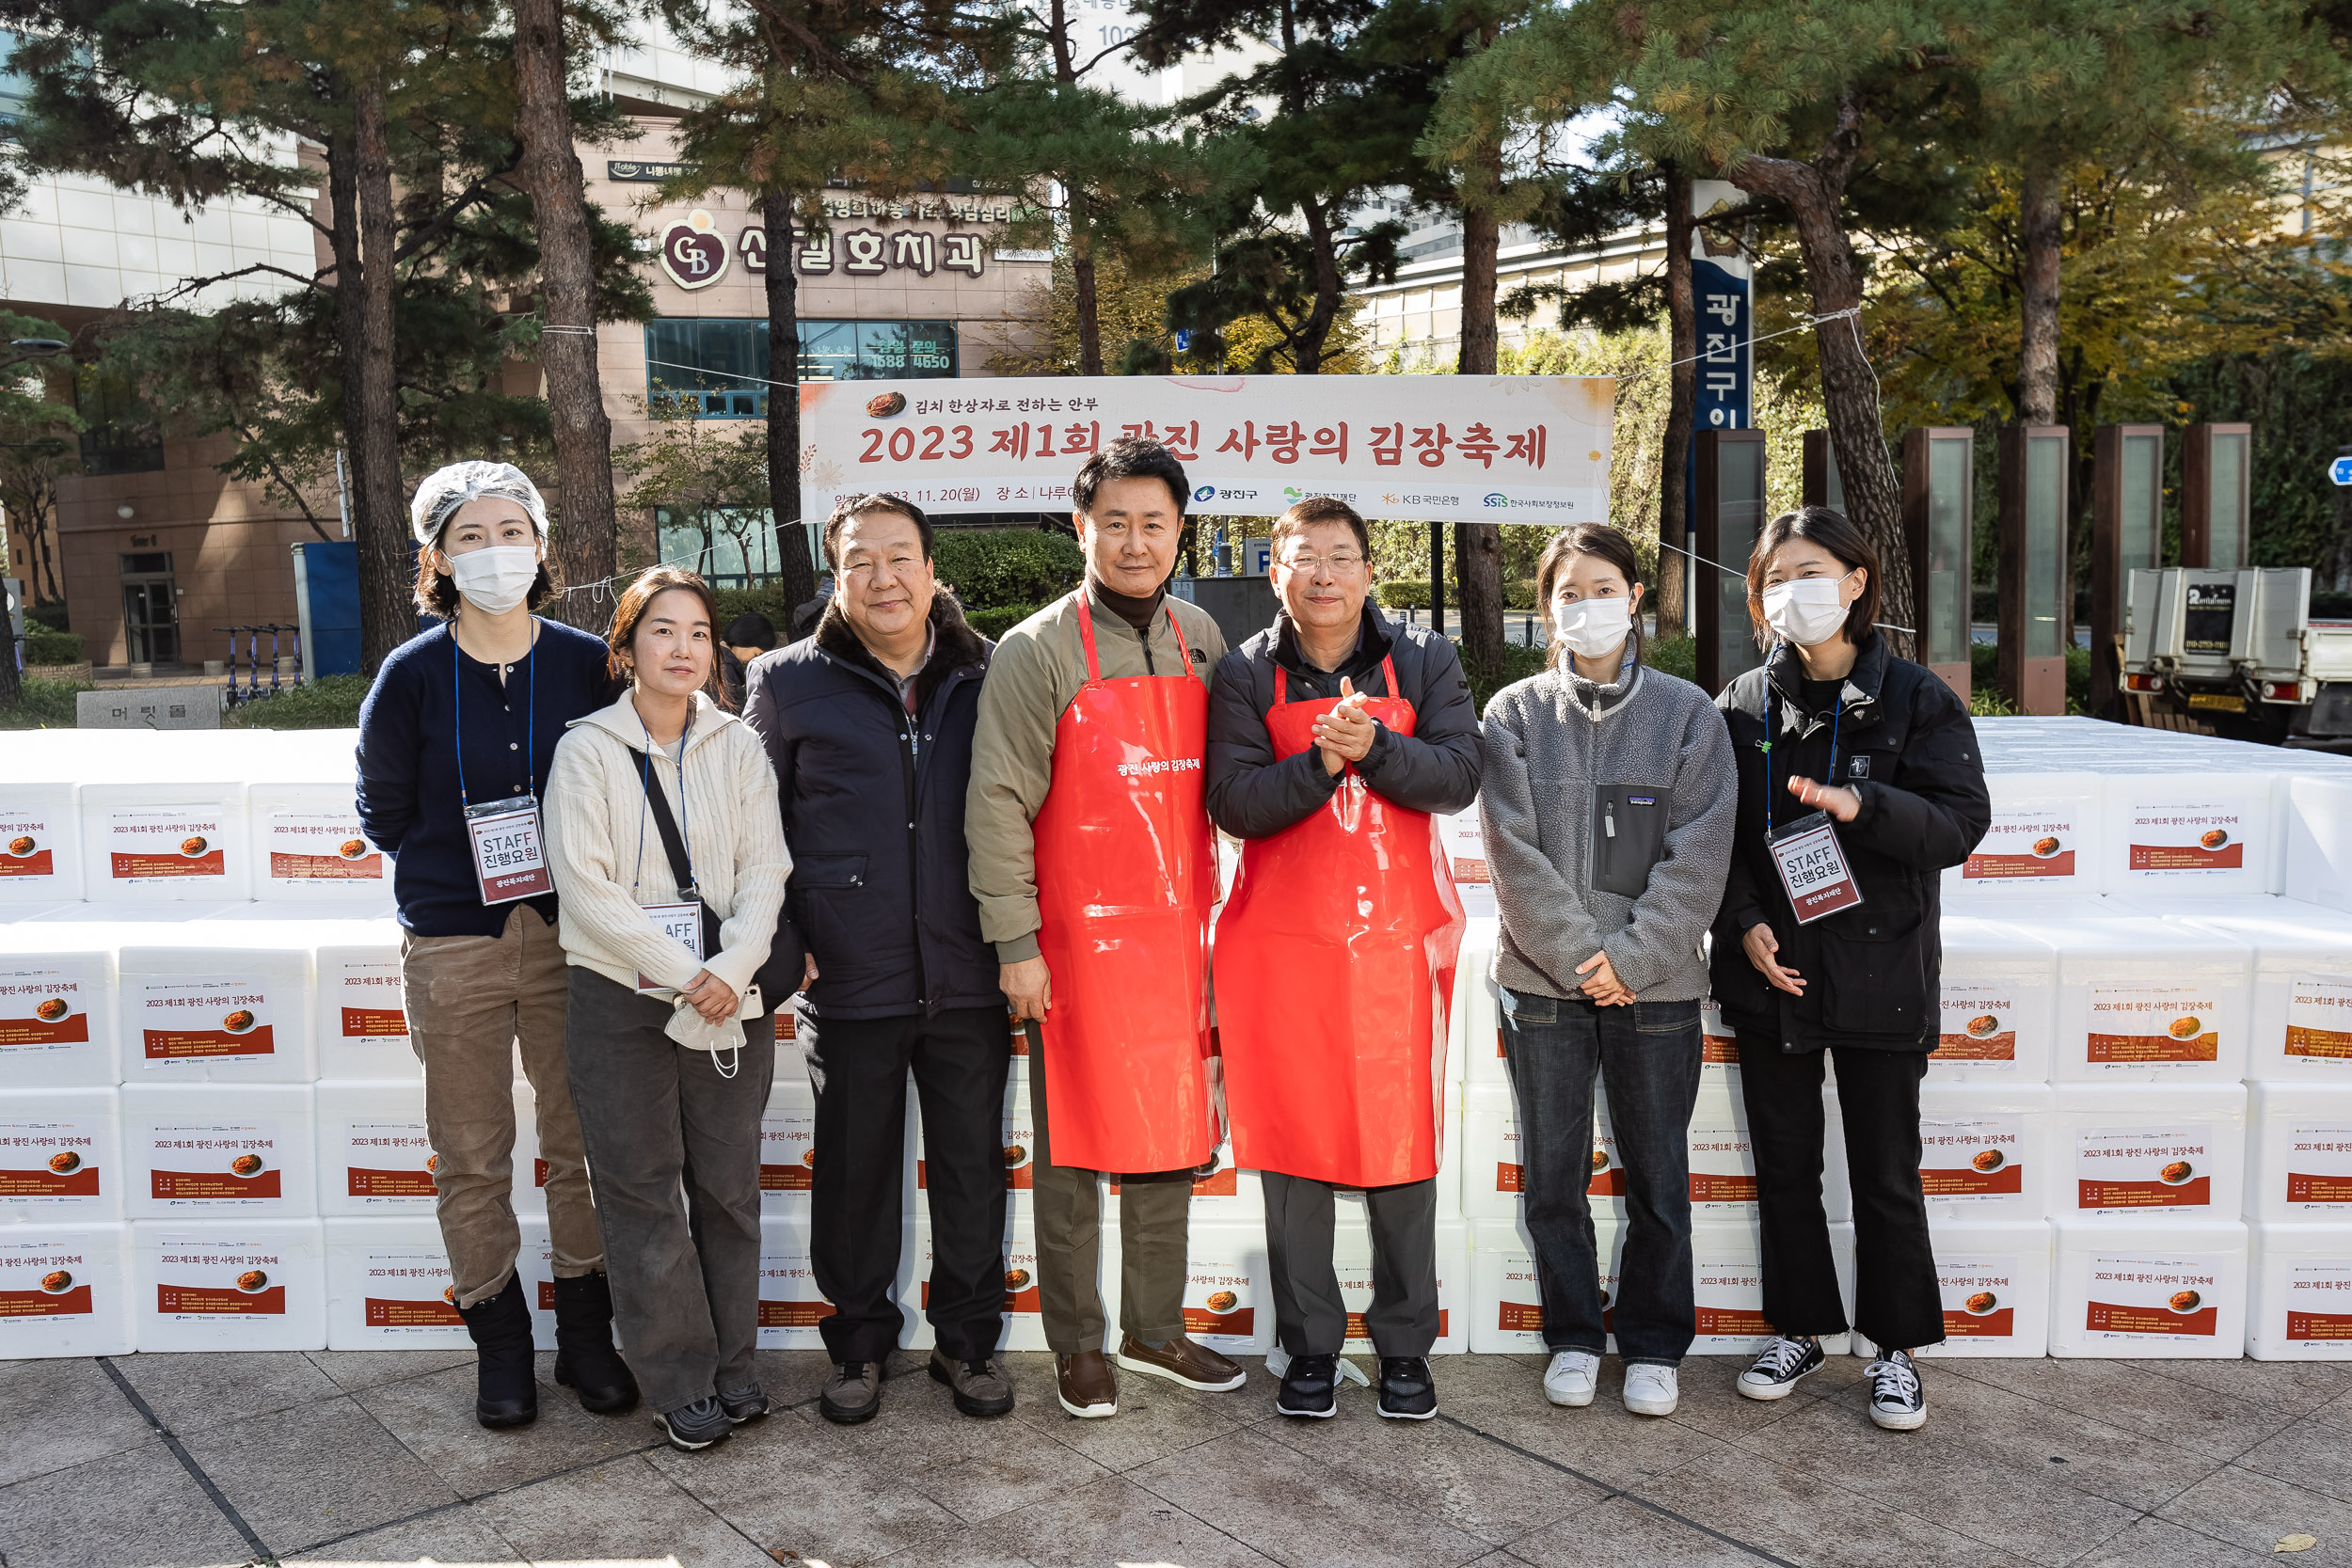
x=1504 y=448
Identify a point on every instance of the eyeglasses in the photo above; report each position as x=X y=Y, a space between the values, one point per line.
x=1340 y=562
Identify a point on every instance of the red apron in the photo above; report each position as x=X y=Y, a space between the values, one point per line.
x=1126 y=876
x=1334 y=971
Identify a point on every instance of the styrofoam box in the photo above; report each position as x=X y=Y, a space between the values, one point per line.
x=2298 y=1303
x=361 y=1014
x=1494 y=1172
x=1463 y=835
x=1999 y=1002
x=788 y=1146
x=2298 y=1152
x=2318 y=813
x=65 y=1289
x=1719 y=1046
x=58 y=1004
x=1229 y=1288
x=2164 y=1154
x=1351 y=1256
x=2302 y=1016
x=308 y=846
x=1726 y=1259
x=1722 y=1156
x=228 y=1282
x=1474 y=1044
x=2203 y=832
x=60 y=1155
x=2160 y=1290
x=40 y=843
x=218 y=1151
x=1507 y=1300
x=375 y=1156
x=790 y=1305
x=1984 y=1150
x=219 y=1001
x=2142 y=1000
x=2044 y=837
x=389 y=1285
x=184 y=839
x=1995 y=1280
x=535 y=1263
x=531 y=1167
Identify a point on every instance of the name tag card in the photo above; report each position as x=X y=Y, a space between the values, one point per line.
x=1813 y=868
x=509 y=856
x=683 y=925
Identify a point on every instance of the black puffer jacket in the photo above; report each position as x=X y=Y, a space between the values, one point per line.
x=1906 y=747
x=1253 y=796
x=873 y=810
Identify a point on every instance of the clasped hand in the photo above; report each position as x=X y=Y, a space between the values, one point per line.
x=1345 y=733
x=709 y=996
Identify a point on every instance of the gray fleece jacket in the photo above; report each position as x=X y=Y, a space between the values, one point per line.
x=1608 y=814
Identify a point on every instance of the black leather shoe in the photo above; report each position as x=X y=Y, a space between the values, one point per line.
x=585 y=1360
x=1309 y=1388
x=1407 y=1392
x=507 y=1391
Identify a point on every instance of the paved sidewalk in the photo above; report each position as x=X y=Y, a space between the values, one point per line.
x=343 y=1459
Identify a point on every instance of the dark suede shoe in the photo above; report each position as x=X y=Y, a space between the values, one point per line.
x=1311 y=1386
x=507 y=1391
x=980 y=1387
x=852 y=1393
x=1086 y=1385
x=1181 y=1360
x=585 y=1360
x=1407 y=1392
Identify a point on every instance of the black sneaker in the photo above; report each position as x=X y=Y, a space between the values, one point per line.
x=1309 y=1388
x=1407 y=1392
x=695 y=1426
x=743 y=1405
x=1898 y=1403
x=1780 y=1367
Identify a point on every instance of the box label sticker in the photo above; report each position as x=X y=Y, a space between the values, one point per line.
x=160 y=845
x=2171 y=1297
x=2027 y=839
x=788 y=1296
x=2319 y=1167
x=370 y=1004
x=2171 y=839
x=48 y=1279
x=220 y=1165
x=191 y=1020
x=1220 y=1301
x=1972 y=1159
x=1730 y=1299
x=1723 y=1166
x=42 y=1159
x=25 y=844
x=1978 y=1022
x=2135 y=1025
x=1717 y=1045
x=2143 y=1167
x=320 y=846
x=384 y=1160
x=2319 y=1299
x=2319 y=1016
x=43 y=1010
x=409 y=1291
x=1979 y=1297
x=788 y=1152
x=224 y=1279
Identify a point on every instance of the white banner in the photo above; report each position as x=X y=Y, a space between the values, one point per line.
x=1500 y=449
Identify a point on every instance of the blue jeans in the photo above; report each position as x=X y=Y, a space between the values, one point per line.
x=1647 y=1055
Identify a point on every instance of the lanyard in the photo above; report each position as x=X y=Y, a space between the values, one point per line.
x=685 y=829
x=531 y=707
x=1837 y=718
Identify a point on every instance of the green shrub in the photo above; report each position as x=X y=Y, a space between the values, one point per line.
x=45 y=706
x=329 y=703
x=993 y=624
x=1518 y=662
x=994 y=568
x=50 y=613
x=44 y=646
x=1676 y=656
x=1520 y=594
x=1405 y=593
x=767 y=599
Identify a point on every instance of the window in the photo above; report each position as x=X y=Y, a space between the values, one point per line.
x=16 y=89
x=731 y=545
x=722 y=362
x=121 y=434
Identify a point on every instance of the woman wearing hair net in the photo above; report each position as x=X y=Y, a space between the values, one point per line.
x=455 y=742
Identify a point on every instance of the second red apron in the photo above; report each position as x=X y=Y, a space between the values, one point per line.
x=1334 y=972
x=1126 y=876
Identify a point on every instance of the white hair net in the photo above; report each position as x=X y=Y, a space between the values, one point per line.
x=444 y=490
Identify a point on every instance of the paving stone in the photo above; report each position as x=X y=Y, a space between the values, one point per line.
x=1603 y=1441
x=2129 y=1395
x=139 y=1506
x=1109 y=1520
x=353 y=1370
x=2154 y=1542
x=1155 y=1417
x=2291 y=1385
x=432 y=1418
x=452 y=1535
x=623 y=1512
x=81 y=1415
x=192 y=1390
x=2253 y=1511
x=1618 y=1532
x=1710 y=1400
x=315 y=1472
x=2309 y=1454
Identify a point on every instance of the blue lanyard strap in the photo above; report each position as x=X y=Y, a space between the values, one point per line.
x=530 y=710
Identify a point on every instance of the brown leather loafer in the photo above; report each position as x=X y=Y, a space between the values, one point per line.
x=1085 y=1384
x=1179 y=1360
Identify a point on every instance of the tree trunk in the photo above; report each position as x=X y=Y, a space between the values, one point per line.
x=784 y=405
x=1813 y=193
x=2038 y=340
x=1330 y=288
x=1083 y=301
x=551 y=171
x=1478 y=546
x=359 y=178
x=1674 y=573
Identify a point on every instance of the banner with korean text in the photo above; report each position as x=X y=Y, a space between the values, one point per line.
x=1500 y=448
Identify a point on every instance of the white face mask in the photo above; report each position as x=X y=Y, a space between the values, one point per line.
x=1592 y=626
x=496 y=578
x=1806 y=611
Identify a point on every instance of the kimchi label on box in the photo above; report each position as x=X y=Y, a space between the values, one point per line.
x=1220 y=1302
x=1975 y=1158
x=320 y=846
x=2319 y=1016
x=2319 y=1167
x=1722 y=1164
x=215 y=1279
x=388 y=1160
x=1980 y=1296
x=42 y=1158
x=2319 y=1299
x=42 y=1009
x=47 y=1278
x=2170 y=1296
x=2169 y=838
x=2031 y=839
x=166 y=842
x=2134 y=1025
x=27 y=846
x=1978 y=1022
x=1730 y=1299
x=788 y=1149
x=218 y=1166
x=370 y=1005
x=2143 y=1167
x=185 y=1020
x=1717 y=1045
x=409 y=1289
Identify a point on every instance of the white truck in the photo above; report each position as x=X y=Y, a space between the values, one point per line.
x=2237 y=650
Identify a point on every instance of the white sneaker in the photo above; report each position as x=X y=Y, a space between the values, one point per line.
x=1572 y=1376
x=1651 y=1390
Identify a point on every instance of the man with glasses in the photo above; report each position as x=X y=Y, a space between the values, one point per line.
x=1334 y=735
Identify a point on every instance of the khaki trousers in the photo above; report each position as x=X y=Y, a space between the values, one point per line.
x=1154 y=1236
x=472 y=1000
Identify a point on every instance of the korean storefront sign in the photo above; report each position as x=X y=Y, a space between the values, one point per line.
x=863 y=239
x=1505 y=449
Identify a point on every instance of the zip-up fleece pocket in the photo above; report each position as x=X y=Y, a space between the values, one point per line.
x=1629 y=836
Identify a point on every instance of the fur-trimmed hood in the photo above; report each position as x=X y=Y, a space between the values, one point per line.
x=954 y=646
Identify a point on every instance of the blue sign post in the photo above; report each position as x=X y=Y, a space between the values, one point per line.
x=2341 y=471
x=1726 y=378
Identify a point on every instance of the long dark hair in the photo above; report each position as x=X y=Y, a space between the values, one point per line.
x=621 y=637
x=1834 y=533
x=1601 y=539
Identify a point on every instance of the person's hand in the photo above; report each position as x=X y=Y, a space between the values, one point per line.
x=1028 y=988
x=1843 y=804
x=709 y=996
x=1602 y=986
x=1345 y=733
x=808 y=970
x=1762 y=947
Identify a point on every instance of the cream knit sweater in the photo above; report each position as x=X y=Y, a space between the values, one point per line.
x=607 y=856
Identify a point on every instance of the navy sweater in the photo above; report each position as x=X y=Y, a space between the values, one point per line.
x=408 y=761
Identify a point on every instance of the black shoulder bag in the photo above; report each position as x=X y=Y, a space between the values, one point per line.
x=776 y=980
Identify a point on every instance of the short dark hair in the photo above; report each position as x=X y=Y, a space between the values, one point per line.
x=751 y=629
x=1130 y=457
x=1602 y=539
x=1315 y=510
x=1834 y=533
x=868 y=506
x=630 y=609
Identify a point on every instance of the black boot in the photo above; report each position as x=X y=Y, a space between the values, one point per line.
x=584 y=1357
x=506 y=1394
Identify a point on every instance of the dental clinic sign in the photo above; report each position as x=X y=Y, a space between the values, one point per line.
x=1505 y=449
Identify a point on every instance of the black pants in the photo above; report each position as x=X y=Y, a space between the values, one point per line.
x=1896 y=1301
x=1309 y=1319
x=858 y=1068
